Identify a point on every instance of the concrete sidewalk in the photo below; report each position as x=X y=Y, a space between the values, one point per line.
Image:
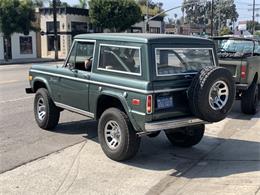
x=227 y=161
x=27 y=61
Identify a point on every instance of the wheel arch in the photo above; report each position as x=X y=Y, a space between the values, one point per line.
x=256 y=78
x=107 y=100
x=40 y=83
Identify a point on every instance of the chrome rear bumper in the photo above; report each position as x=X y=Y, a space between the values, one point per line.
x=171 y=124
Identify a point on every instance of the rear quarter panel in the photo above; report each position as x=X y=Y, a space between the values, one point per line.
x=253 y=64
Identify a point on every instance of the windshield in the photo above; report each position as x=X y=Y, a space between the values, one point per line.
x=234 y=46
x=172 y=61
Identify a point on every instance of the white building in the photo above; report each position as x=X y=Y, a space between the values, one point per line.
x=21 y=46
x=155 y=25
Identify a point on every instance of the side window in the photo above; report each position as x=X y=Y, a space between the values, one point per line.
x=257 y=48
x=81 y=56
x=71 y=59
x=120 y=59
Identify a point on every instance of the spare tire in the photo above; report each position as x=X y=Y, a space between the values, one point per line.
x=212 y=93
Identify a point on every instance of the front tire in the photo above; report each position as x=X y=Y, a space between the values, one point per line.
x=186 y=136
x=46 y=113
x=117 y=136
x=249 y=101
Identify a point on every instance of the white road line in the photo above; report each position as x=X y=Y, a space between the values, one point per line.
x=15 y=100
x=6 y=82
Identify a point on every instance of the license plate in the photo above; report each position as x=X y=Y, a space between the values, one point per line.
x=164 y=102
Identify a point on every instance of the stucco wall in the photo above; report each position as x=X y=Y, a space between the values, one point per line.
x=15 y=41
x=65 y=39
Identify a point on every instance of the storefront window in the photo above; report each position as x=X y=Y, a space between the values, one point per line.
x=26 y=45
x=50 y=41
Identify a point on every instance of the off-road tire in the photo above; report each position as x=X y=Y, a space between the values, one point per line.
x=249 y=100
x=130 y=141
x=258 y=91
x=186 y=136
x=51 y=119
x=198 y=93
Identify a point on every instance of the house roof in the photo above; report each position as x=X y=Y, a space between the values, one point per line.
x=145 y=38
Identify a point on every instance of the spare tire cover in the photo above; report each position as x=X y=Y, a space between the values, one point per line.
x=211 y=94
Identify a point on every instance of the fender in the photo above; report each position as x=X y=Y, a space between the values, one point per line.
x=43 y=80
x=121 y=98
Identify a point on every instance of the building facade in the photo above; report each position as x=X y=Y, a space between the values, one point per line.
x=20 y=46
x=155 y=25
x=70 y=22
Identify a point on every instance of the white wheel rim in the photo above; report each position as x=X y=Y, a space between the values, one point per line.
x=41 y=109
x=112 y=134
x=218 y=95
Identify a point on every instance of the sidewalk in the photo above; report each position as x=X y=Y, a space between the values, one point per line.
x=27 y=61
x=225 y=162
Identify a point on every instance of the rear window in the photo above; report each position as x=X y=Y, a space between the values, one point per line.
x=172 y=61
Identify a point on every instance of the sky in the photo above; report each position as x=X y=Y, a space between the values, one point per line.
x=242 y=8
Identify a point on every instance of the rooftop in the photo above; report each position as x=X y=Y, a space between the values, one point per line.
x=144 y=38
x=64 y=10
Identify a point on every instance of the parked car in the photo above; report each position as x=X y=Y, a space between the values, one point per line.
x=134 y=85
x=242 y=57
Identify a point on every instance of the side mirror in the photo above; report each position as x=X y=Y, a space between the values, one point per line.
x=70 y=66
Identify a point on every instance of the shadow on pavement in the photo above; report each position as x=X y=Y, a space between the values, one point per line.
x=88 y=127
x=213 y=157
x=237 y=114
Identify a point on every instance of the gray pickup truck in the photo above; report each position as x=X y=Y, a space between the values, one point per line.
x=242 y=57
x=135 y=85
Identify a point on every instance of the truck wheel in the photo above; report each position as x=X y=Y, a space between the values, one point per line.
x=117 y=137
x=211 y=94
x=46 y=113
x=249 y=101
x=186 y=136
x=258 y=91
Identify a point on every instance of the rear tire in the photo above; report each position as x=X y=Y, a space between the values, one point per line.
x=46 y=113
x=249 y=101
x=117 y=136
x=186 y=136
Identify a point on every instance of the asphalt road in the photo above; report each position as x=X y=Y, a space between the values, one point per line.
x=21 y=140
x=70 y=161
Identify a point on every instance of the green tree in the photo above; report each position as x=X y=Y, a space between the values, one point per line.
x=82 y=3
x=199 y=12
x=16 y=16
x=225 y=31
x=249 y=26
x=116 y=15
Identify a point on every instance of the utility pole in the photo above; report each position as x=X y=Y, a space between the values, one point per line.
x=54 y=2
x=147 y=16
x=212 y=17
x=253 y=30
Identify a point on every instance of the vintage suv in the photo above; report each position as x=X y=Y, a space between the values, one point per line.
x=134 y=85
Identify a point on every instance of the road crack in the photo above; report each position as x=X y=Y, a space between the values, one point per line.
x=76 y=158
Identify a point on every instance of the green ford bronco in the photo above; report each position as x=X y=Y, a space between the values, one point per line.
x=134 y=85
x=242 y=57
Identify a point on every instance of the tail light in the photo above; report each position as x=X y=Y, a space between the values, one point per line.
x=243 y=72
x=149 y=99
